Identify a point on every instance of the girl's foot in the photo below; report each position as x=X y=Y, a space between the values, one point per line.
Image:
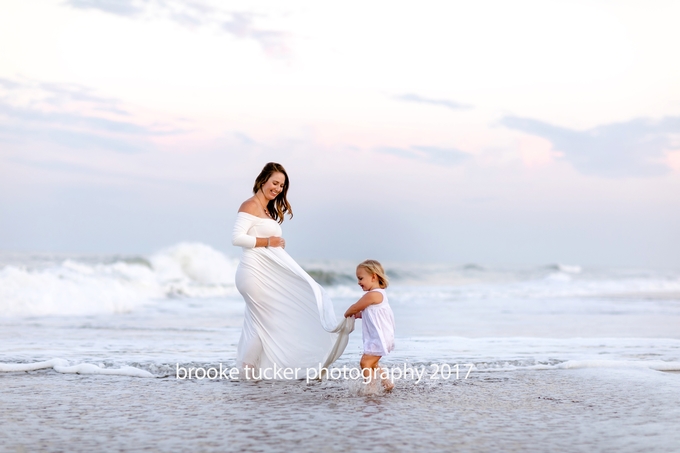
x=388 y=385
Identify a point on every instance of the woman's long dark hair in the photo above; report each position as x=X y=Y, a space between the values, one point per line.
x=279 y=205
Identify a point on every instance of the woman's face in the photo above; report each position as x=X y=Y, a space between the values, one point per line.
x=274 y=185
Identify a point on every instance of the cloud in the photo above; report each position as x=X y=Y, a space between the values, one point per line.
x=272 y=42
x=192 y=14
x=72 y=139
x=447 y=157
x=443 y=102
x=70 y=115
x=89 y=170
x=62 y=93
x=634 y=148
x=119 y=7
x=8 y=84
x=70 y=119
x=243 y=138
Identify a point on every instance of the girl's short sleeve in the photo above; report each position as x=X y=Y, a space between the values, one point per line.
x=240 y=236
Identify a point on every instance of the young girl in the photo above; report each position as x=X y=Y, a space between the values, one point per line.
x=377 y=319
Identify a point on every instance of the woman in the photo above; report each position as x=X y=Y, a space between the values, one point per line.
x=289 y=320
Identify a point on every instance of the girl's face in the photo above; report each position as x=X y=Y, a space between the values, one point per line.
x=366 y=280
x=274 y=185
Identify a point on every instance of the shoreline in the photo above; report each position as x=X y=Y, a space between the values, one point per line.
x=553 y=410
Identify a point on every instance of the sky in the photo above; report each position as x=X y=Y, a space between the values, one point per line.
x=490 y=132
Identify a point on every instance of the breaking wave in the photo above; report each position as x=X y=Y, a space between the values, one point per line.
x=76 y=287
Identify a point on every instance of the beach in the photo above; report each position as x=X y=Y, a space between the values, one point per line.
x=549 y=358
x=175 y=176
x=569 y=411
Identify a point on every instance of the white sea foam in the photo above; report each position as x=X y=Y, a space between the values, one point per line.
x=62 y=366
x=73 y=287
x=442 y=282
x=87 y=368
x=45 y=285
x=195 y=263
x=657 y=365
x=181 y=306
x=14 y=367
x=568 y=268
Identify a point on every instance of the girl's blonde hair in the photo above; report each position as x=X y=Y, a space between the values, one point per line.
x=375 y=268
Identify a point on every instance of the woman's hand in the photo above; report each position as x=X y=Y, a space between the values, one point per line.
x=276 y=241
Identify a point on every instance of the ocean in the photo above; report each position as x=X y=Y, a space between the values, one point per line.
x=557 y=357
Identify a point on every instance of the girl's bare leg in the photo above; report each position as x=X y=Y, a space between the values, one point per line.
x=369 y=365
x=371 y=369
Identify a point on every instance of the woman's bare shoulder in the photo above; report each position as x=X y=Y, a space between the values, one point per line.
x=250 y=206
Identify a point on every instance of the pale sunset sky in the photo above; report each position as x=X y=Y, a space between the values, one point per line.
x=523 y=132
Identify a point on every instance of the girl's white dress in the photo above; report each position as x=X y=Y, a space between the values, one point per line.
x=289 y=320
x=377 y=326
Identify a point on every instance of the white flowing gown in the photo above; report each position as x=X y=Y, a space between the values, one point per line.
x=289 y=320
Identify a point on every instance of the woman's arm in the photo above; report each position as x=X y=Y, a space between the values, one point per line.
x=240 y=236
x=370 y=298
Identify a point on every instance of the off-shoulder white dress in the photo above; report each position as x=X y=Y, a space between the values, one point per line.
x=289 y=319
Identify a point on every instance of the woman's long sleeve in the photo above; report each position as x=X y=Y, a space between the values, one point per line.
x=240 y=236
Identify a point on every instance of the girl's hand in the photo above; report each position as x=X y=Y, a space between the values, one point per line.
x=276 y=241
x=358 y=315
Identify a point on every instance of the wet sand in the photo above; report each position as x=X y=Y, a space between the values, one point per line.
x=552 y=410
